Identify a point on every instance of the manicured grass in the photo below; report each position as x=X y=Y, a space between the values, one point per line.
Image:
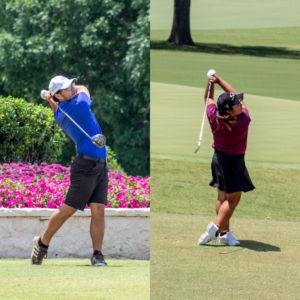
x=233 y=14
x=269 y=77
x=181 y=187
x=283 y=38
x=74 y=279
x=266 y=220
x=176 y=116
x=266 y=266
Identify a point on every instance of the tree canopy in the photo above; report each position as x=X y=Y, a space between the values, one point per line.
x=104 y=44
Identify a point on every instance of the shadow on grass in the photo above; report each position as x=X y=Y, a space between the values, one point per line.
x=245 y=244
x=261 y=51
x=108 y=266
x=228 y=250
x=259 y=246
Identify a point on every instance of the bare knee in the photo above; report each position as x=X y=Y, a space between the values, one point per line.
x=234 y=199
x=97 y=210
x=220 y=200
x=67 y=211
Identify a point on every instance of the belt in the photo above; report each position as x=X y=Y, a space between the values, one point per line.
x=92 y=158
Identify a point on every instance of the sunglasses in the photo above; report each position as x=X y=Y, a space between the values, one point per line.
x=71 y=86
x=68 y=88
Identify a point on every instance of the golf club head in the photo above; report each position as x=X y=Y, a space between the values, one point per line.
x=197 y=148
x=99 y=140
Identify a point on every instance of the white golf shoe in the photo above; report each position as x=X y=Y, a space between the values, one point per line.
x=209 y=235
x=228 y=239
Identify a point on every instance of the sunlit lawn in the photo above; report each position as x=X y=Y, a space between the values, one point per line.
x=74 y=279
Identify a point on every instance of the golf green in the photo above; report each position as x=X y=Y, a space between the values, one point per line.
x=177 y=113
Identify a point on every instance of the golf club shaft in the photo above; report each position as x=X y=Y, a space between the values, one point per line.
x=43 y=96
x=203 y=119
x=73 y=121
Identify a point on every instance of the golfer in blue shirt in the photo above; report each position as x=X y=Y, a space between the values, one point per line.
x=89 y=179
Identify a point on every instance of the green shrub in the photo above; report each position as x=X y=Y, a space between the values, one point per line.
x=113 y=163
x=28 y=132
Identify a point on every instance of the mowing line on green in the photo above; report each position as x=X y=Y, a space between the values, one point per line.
x=176 y=118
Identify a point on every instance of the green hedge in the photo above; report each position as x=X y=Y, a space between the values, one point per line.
x=28 y=132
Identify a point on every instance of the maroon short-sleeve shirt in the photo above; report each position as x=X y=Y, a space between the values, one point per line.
x=232 y=142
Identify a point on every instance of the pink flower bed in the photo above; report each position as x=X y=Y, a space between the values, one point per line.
x=46 y=186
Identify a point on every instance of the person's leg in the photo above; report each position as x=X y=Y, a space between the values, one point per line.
x=219 y=202
x=56 y=220
x=226 y=210
x=97 y=226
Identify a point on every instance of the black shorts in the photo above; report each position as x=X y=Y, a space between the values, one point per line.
x=89 y=183
x=229 y=173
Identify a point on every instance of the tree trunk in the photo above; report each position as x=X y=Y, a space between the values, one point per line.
x=180 y=34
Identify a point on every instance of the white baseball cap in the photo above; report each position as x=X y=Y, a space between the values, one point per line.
x=59 y=83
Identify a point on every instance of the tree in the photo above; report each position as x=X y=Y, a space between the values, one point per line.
x=180 y=34
x=86 y=39
x=132 y=117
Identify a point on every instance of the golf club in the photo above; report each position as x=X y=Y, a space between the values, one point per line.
x=210 y=73
x=98 y=140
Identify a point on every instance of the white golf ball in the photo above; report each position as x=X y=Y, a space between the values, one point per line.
x=211 y=73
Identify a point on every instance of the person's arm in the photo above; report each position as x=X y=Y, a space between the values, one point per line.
x=227 y=88
x=225 y=85
x=51 y=101
x=82 y=88
x=211 y=79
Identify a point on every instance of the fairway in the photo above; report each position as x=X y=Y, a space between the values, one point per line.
x=264 y=37
x=235 y=14
x=269 y=77
x=74 y=279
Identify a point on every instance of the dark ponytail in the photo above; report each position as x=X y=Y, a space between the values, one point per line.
x=228 y=119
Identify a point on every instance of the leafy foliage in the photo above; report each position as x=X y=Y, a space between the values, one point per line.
x=105 y=44
x=113 y=163
x=128 y=101
x=28 y=132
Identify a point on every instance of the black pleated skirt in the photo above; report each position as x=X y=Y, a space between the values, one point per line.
x=229 y=173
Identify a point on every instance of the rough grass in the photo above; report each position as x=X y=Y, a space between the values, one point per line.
x=181 y=187
x=74 y=279
x=266 y=222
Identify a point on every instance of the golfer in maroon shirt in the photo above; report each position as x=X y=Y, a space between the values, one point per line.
x=229 y=122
